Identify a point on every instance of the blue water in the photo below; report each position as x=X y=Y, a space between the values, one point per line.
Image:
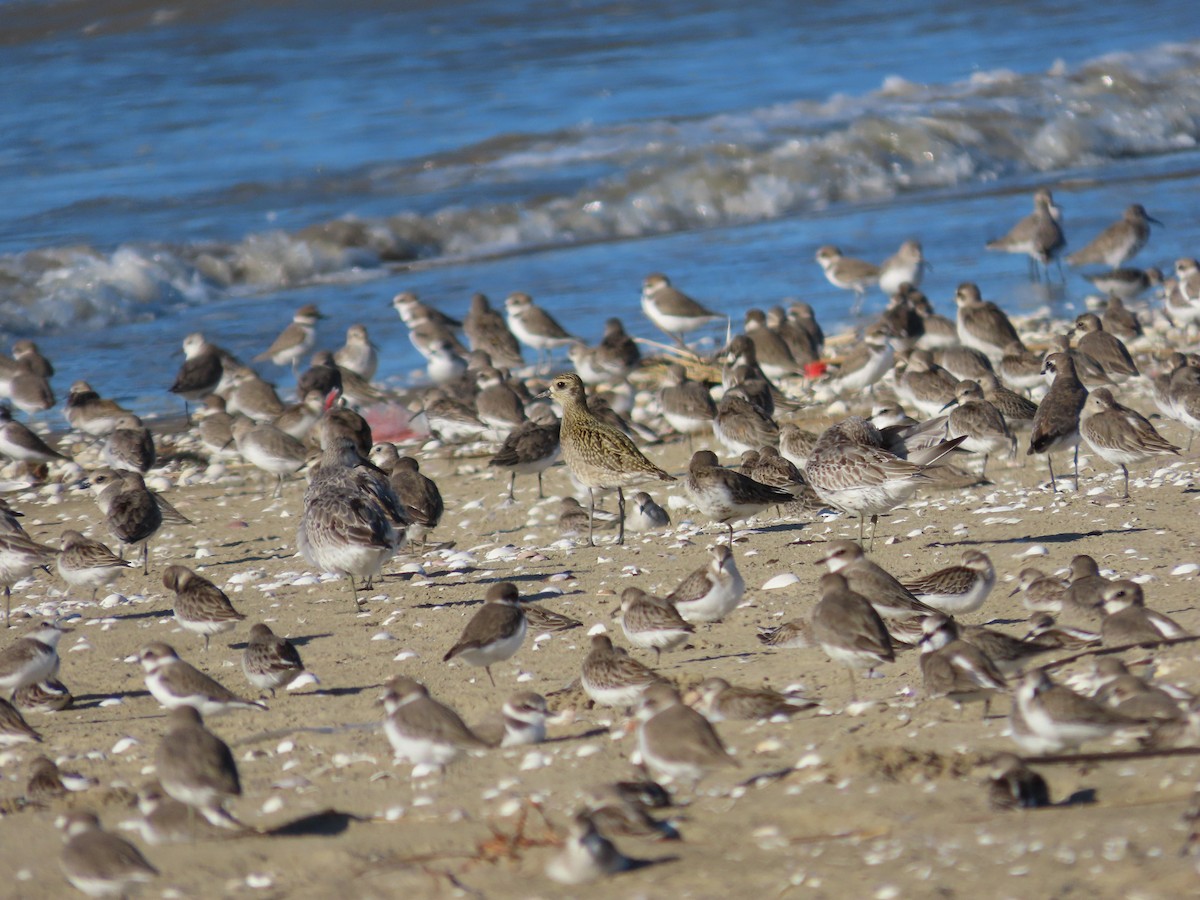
x=162 y=162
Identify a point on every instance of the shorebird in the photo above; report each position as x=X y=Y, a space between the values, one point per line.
x=864 y=366
x=1058 y=719
x=793 y=635
x=624 y=808
x=1040 y=592
x=982 y=325
x=610 y=361
x=1018 y=411
x=954 y=668
x=671 y=310
x=741 y=425
x=687 y=405
x=847 y=273
x=1119 y=242
x=1056 y=424
x=1106 y=349
x=487 y=330
x=47 y=696
x=535 y=327
x=770 y=349
x=1013 y=785
x=849 y=470
x=269 y=661
x=905 y=266
x=269 y=450
x=129 y=446
x=724 y=495
x=19 y=556
x=32 y=658
x=164 y=820
x=295 y=341
x=421 y=730
x=352 y=521
x=252 y=397
x=646 y=515
x=520 y=723
x=1125 y=284
x=925 y=386
x=97 y=863
x=197 y=768
x=711 y=592
x=1038 y=236
x=13 y=727
x=496 y=631
x=418 y=494
x=358 y=354
x=848 y=628
x=718 y=700
x=980 y=423
x=1127 y=620
x=959 y=589
x=48 y=782
x=201 y=371
x=530 y=449
x=1119 y=435
x=611 y=677
x=200 y=606
x=676 y=742
x=88 y=412
x=18 y=442
x=883 y=591
x=175 y=683
x=599 y=456
x=413 y=312
x=652 y=622
x=586 y=854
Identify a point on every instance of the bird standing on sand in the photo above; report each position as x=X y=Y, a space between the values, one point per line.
x=724 y=495
x=495 y=633
x=1120 y=435
x=1056 y=422
x=599 y=456
x=97 y=863
x=296 y=341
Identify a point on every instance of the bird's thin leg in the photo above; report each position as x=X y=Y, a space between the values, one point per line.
x=620 y=516
x=591 y=515
x=488 y=669
x=1050 y=464
x=1125 y=472
x=512 y=481
x=541 y=496
x=1076 y=467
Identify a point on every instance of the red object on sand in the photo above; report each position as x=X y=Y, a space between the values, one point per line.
x=389 y=422
x=815 y=369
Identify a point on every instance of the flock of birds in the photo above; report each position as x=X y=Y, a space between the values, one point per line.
x=945 y=396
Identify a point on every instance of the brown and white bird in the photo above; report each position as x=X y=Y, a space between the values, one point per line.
x=612 y=678
x=18 y=442
x=671 y=310
x=419 y=494
x=270 y=661
x=675 y=742
x=175 y=683
x=358 y=354
x=848 y=628
x=197 y=768
x=718 y=700
x=1119 y=435
x=954 y=668
x=1127 y=619
x=652 y=622
x=495 y=633
x=31 y=658
x=201 y=371
x=535 y=327
x=711 y=592
x=423 y=731
x=1119 y=242
x=1056 y=423
x=200 y=606
x=1013 y=785
x=1106 y=349
x=982 y=325
x=958 y=589
x=530 y=449
x=296 y=341
x=131 y=510
x=1038 y=236
x=97 y=863
x=586 y=854
x=487 y=330
x=847 y=273
x=723 y=494
x=19 y=556
x=85 y=563
x=13 y=727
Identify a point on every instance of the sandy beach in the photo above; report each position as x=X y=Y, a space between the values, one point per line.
x=883 y=798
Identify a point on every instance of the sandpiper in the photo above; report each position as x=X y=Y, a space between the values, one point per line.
x=1119 y=435
x=1018 y=411
x=97 y=863
x=270 y=661
x=676 y=743
x=88 y=412
x=905 y=266
x=770 y=349
x=1058 y=718
x=535 y=327
x=47 y=782
x=295 y=341
x=130 y=509
x=723 y=494
x=1013 y=785
x=954 y=668
x=847 y=273
x=671 y=310
x=421 y=730
x=19 y=443
x=31 y=658
x=599 y=456
x=586 y=854
x=891 y=599
x=646 y=515
x=1040 y=592
x=46 y=696
x=1119 y=242
x=196 y=767
x=652 y=622
x=419 y=494
x=200 y=606
x=1126 y=284
x=487 y=330
x=530 y=449
x=175 y=683
x=741 y=425
x=1038 y=236
x=19 y=556
x=687 y=405
x=521 y=722
x=495 y=633
x=611 y=677
x=792 y=635
x=865 y=365
x=711 y=592
x=977 y=420
x=201 y=371
x=924 y=385
x=1046 y=632
x=718 y=700
x=129 y=446
x=1127 y=620
x=1106 y=349
x=982 y=324
x=848 y=628
x=13 y=727
x=358 y=354
x=623 y=808
x=269 y=450
x=959 y=589
x=164 y=820
x=1056 y=424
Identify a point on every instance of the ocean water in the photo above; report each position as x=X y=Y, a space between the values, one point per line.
x=171 y=167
